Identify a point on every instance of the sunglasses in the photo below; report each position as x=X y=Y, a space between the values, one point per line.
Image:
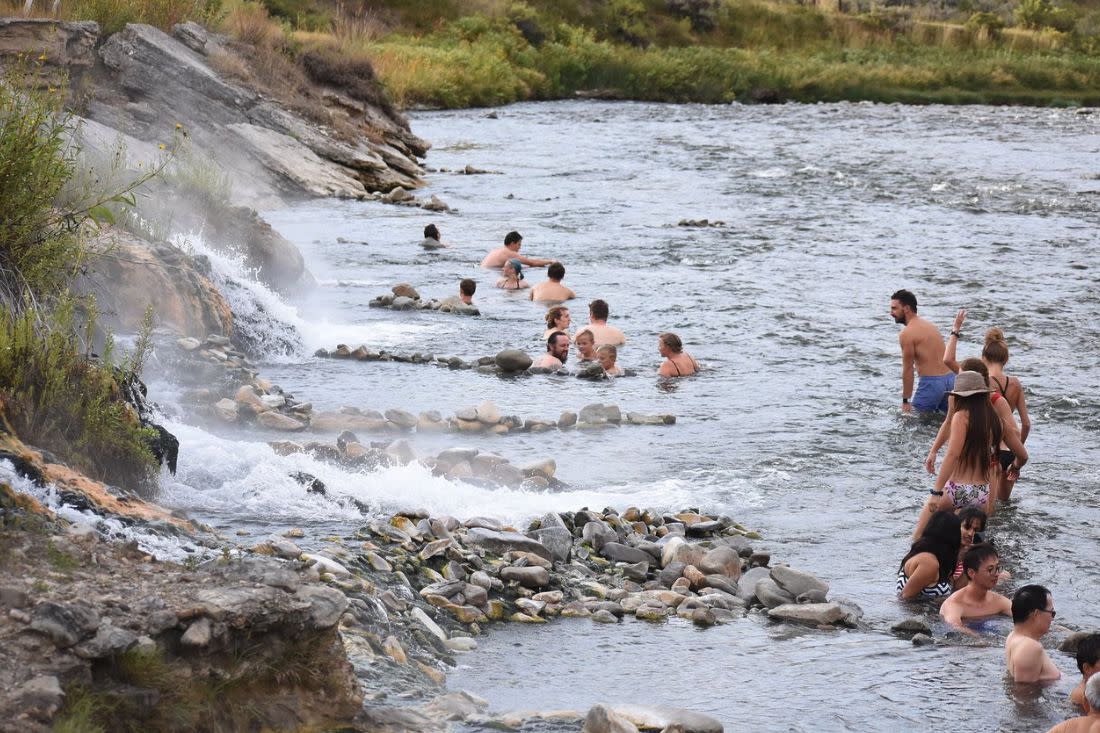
x=1051 y=611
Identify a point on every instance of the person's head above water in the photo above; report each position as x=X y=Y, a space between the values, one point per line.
x=981 y=563
x=513 y=267
x=586 y=343
x=974 y=364
x=1088 y=655
x=903 y=305
x=512 y=240
x=1092 y=692
x=556 y=272
x=995 y=350
x=557 y=346
x=973 y=521
x=1033 y=604
x=431 y=232
x=467 y=287
x=607 y=354
x=671 y=342
x=942 y=537
x=558 y=317
x=598 y=310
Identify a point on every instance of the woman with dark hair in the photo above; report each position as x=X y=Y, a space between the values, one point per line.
x=926 y=571
x=972 y=447
x=557 y=319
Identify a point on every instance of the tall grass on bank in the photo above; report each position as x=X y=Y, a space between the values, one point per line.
x=52 y=392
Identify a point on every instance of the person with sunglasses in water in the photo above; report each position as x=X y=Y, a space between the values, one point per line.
x=1032 y=616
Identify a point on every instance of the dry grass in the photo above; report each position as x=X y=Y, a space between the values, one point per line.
x=250 y=23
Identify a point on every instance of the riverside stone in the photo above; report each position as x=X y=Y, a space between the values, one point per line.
x=598 y=534
x=808 y=613
x=405 y=290
x=601 y=616
x=567 y=420
x=401 y=418
x=278 y=421
x=796 y=582
x=912 y=625
x=528 y=577
x=771 y=595
x=325 y=564
x=513 y=360
x=558 y=540
x=617 y=552
x=502 y=542
x=598 y=414
x=746 y=586
x=65 y=623
x=721 y=561
x=658 y=717
x=226 y=410
x=198 y=634
x=426 y=621
x=602 y=719
x=488 y=413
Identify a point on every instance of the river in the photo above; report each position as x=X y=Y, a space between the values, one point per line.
x=793 y=429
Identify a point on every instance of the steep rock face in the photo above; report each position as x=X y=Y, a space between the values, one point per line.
x=69 y=48
x=156 y=82
x=132 y=274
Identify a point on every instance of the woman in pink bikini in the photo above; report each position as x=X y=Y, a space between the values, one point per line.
x=971 y=456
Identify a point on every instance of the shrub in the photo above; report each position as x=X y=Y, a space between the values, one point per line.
x=249 y=22
x=1044 y=14
x=113 y=15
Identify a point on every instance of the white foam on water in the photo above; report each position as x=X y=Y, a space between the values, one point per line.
x=161 y=546
x=248 y=481
x=774 y=172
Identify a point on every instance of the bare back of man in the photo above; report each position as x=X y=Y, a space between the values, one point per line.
x=551 y=291
x=1084 y=724
x=606 y=335
x=922 y=349
x=1027 y=660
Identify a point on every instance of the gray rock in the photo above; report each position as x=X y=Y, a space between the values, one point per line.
x=502 y=542
x=475 y=594
x=38 y=699
x=567 y=419
x=198 y=634
x=703 y=617
x=722 y=560
x=108 y=641
x=599 y=414
x=547 y=467
x=284 y=548
x=769 y=593
x=922 y=640
x=400 y=452
x=326 y=605
x=425 y=621
x=808 y=613
x=278 y=421
x=670 y=574
x=467 y=414
x=558 y=540
x=531 y=576
x=402 y=419
x=638 y=571
x=912 y=625
x=602 y=719
x=481 y=579
x=513 y=360
x=461 y=644
x=12 y=596
x=618 y=552
x=401 y=303
x=65 y=624
x=723 y=583
x=654 y=717
x=488 y=413
x=591 y=371
x=796 y=582
x=598 y=534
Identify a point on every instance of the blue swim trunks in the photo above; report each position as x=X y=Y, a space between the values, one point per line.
x=931 y=394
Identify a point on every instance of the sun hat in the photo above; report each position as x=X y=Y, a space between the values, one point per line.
x=517 y=266
x=969 y=383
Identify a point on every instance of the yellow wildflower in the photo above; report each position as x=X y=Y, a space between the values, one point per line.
x=179 y=126
x=42 y=57
x=162 y=146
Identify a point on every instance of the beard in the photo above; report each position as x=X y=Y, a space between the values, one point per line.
x=899 y=319
x=564 y=357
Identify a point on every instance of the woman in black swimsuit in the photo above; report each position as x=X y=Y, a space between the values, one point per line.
x=678 y=363
x=995 y=356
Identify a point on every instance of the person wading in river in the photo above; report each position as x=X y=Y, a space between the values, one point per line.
x=1090 y=721
x=1032 y=615
x=598 y=312
x=921 y=348
x=982 y=567
x=500 y=255
x=1088 y=662
x=552 y=289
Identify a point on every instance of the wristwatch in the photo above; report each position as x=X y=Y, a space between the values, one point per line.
x=905 y=400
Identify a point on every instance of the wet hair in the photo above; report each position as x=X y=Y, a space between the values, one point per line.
x=971 y=513
x=512 y=237
x=467 y=287
x=1092 y=692
x=555 y=271
x=554 y=314
x=608 y=349
x=983 y=432
x=599 y=310
x=431 y=232
x=1088 y=652
x=977 y=555
x=585 y=332
x=974 y=364
x=1027 y=600
x=550 y=339
x=672 y=341
x=942 y=537
x=905 y=298
x=995 y=350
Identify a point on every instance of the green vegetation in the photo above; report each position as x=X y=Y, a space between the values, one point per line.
x=60 y=560
x=53 y=393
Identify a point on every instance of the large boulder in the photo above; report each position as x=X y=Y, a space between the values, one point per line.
x=808 y=613
x=797 y=582
x=500 y=542
x=513 y=360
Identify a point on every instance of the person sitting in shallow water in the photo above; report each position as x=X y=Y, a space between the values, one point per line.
x=557 y=352
x=925 y=572
x=557 y=319
x=608 y=355
x=552 y=289
x=678 y=363
x=982 y=566
x=1088 y=663
x=586 y=345
x=512 y=273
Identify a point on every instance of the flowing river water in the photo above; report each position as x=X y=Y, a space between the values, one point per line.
x=793 y=429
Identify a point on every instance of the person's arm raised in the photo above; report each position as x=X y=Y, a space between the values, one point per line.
x=953 y=342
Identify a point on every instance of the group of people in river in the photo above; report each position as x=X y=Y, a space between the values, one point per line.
x=596 y=342
x=948 y=559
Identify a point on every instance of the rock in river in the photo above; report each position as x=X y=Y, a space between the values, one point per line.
x=513 y=360
x=502 y=542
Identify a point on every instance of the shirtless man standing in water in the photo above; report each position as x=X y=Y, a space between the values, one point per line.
x=1032 y=615
x=977 y=599
x=921 y=347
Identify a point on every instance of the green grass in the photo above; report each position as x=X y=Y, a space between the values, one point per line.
x=60 y=560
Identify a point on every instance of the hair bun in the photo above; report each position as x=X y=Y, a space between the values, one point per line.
x=994 y=335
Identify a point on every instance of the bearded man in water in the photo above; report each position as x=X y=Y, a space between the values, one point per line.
x=922 y=348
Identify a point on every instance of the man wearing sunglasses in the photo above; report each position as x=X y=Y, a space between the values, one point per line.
x=1032 y=615
x=977 y=599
